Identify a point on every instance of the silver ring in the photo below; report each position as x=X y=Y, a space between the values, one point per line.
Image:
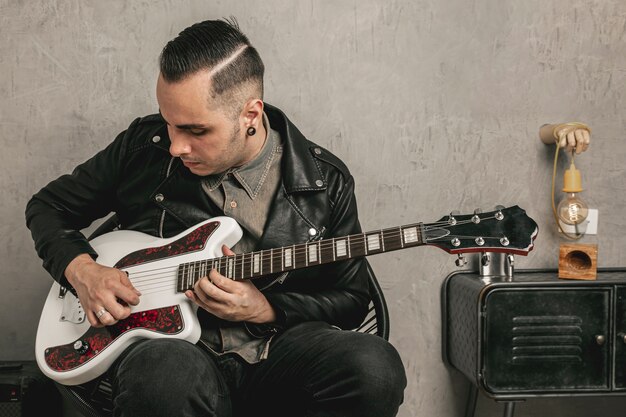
x=101 y=312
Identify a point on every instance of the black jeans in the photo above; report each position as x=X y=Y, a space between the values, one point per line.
x=313 y=369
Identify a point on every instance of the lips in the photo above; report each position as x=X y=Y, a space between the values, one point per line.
x=190 y=164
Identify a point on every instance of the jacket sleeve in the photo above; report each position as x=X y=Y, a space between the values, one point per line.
x=56 y=214
x=336 y=293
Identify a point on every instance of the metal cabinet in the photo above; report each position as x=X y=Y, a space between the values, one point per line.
x=536 y=335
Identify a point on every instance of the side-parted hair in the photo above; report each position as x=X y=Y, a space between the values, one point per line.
x=218 y=46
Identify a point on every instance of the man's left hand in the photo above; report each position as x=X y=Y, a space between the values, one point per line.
x=231 y=300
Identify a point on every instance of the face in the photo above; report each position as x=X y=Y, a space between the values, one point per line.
x=206 y=138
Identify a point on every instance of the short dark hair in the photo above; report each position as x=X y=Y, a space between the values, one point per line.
x=204 y=46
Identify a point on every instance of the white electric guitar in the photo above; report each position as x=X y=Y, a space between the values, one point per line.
x=71 y=352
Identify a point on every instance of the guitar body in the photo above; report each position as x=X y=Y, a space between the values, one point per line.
x=71 y=352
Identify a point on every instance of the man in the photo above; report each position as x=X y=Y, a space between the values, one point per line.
x=276 y=350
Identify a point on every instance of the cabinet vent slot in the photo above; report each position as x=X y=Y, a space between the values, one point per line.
x=537 y=339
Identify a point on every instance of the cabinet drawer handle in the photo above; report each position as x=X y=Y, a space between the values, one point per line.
x=622 y=336
x=600 y=339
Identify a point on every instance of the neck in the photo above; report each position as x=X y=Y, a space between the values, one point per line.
x=255 y=143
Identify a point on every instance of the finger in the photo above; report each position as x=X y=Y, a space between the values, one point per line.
x=580 y=141
x=562 y=138
x=125 y=293
x=586 y=139
x=205 y=291
x=115 y=309
x=226 y=251
x=220 y=281
x=107 y=319
x=192 y=296
x=125 y=279
x=93 y=320
x=571 y=140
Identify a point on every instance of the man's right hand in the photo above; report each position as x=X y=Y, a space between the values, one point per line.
x=103 y=291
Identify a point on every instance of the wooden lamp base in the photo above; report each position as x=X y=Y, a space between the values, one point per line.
x=578 y=261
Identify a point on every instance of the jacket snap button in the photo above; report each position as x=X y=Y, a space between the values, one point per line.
x=159 y=198
x=156 y=139
x=312 y=232
x=319 y=183
x=317 y=151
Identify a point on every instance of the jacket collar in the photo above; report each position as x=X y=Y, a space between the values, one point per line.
x=301 y=171
x=300 y=168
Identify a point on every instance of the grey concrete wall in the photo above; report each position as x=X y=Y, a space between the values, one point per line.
x=434 y=104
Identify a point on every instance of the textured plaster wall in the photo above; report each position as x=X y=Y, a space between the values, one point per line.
x=434 y=104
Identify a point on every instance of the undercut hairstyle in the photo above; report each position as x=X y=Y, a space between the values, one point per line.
x=236 y=69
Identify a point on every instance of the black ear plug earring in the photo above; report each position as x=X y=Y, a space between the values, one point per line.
x=251 y=131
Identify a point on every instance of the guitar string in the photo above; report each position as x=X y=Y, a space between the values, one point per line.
x=237 y=264
x=328 y=243
x=167 y=279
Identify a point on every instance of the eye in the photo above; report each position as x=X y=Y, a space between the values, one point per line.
x=198 y=132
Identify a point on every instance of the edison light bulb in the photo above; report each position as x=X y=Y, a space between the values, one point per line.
x=572 y=210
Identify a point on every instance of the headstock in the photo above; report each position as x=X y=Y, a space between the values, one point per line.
x=507 y=230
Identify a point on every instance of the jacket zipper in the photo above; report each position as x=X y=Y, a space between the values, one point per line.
x=167 y=174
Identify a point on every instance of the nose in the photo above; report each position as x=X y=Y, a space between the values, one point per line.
x=178 y=143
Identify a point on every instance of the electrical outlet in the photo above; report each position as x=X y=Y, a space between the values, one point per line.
x=591 y=224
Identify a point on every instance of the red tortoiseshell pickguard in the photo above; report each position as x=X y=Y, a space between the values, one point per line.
x=192 y=242
x=165 y=320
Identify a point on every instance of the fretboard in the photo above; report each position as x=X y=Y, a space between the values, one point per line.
x=287 y=258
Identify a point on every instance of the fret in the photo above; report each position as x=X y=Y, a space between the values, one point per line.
x=300 y=257
x=382 y=239
x=340 y=248
x=192 y=269
x=256 y=263
x=391 y=240
x=400 y=232
x=181 y=277
x=411 y=235
x=327 y=251
x=373 y=242
x=187 y=276
x=312 y=253
x=349 y=248
x=229 y=267
x=272 y=261
x=266 y=262
x=319 y=251
x=243 y=258
x=357 y=245
x=287 y=253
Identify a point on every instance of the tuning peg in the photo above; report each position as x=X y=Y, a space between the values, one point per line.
x=451 y=219
x=499 y=214
x=476 y=217
x=499 y=207
x=460 y=260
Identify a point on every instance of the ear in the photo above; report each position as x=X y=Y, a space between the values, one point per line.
x=253 y=113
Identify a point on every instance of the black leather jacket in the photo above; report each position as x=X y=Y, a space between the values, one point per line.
x=152 y=192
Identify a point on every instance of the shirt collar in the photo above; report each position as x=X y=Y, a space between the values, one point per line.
x=251 y=175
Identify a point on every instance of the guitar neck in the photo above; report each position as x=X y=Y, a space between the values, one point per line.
x=287 y=258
